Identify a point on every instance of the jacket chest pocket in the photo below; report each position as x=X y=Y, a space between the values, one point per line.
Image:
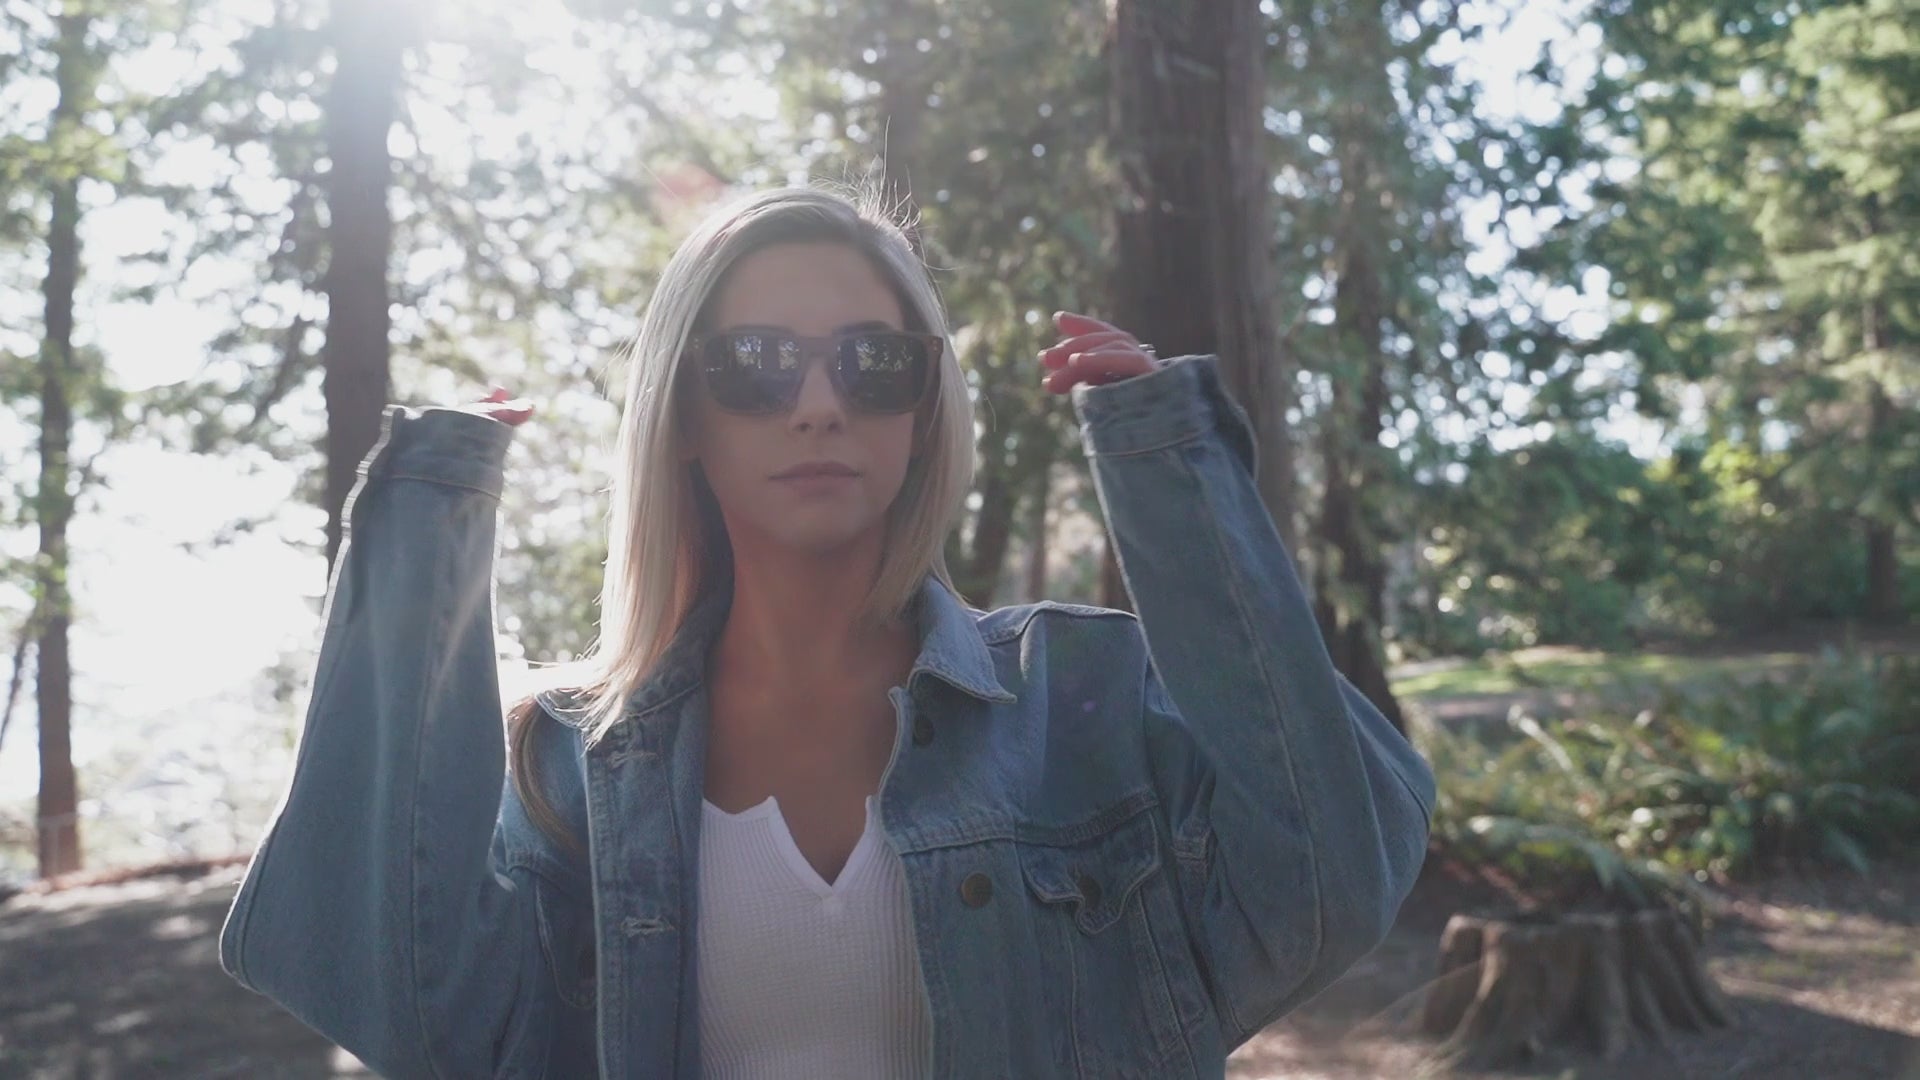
x=1113 y=943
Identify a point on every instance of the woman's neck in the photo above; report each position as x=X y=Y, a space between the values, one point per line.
x=794 y=627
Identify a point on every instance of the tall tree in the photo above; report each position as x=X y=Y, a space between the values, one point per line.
x=1378 y=153
x=1350 y=570
x=1190 y=270
x=522 y=210
x=1850 y=262
x=77 y=67
x=368 y=40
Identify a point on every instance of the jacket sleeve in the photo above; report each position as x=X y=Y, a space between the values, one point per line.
x=1298 y=815
x=371 y=910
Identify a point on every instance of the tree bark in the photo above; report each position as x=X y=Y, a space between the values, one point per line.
x=1883 y=573
x=1041 y=494
x=59 y=802
x=1014 y=464
x=360 y=109
x=1507 y=989
x=1350 y=575
x=992 y=529
x=902 y=105
x=1883 y=554
x=1113 y=585
x=1256 y=372
x=1191 y=228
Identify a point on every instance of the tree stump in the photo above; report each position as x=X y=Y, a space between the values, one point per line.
x=1509 y=987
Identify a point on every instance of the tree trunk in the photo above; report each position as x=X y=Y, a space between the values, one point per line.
x=1509 y=988
x=1883 y=573
x=359 y=113
x=1014 y=463
x=1883 y=556
x=1258 y=375
x=901 y=103
x=1350 y=575
x=1351 y=570
x=992 y=529
x=59 y=803
x=1113 y=586
x=1188 y=86
x=1042 y=492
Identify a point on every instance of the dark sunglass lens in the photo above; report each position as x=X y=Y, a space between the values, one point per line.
x=884 y=372
x=751 y=372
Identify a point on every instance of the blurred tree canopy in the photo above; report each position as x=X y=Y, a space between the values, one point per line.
x=1732 y=190
x=1745 y=177
x=1637 y=360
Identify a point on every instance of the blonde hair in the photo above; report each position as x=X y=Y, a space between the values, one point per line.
x=667 y=544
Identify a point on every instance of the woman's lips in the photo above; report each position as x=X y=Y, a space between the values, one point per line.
x=816 y=482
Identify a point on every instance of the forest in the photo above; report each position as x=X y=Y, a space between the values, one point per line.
x=1581 y=341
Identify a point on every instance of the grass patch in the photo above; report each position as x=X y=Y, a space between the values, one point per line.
x=1536 y=669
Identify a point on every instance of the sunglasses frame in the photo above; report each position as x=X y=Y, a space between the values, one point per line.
x=829 y=347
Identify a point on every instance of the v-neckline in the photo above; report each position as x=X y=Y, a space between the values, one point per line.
x=790 y=852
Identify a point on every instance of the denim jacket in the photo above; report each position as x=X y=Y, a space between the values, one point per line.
x=1130 y=841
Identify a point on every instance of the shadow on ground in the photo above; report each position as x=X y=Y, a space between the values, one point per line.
x=124 y=981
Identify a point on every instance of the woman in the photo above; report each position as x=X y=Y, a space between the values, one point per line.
x=803 y=812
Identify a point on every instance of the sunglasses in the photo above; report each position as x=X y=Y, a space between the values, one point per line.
x=759 y=372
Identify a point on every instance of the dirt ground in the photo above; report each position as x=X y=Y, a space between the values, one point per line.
x=122 y=981
x=1822 y=973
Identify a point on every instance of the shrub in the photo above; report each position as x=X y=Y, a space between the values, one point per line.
x=1712 y=782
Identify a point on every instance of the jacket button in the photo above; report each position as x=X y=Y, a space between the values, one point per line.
x=1089 y=890
x=976 y=890
x=922 y=731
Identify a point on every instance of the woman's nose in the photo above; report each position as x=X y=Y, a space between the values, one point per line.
x=819 y=403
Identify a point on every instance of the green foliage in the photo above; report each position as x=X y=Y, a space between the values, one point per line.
x=1517 y=812
x=1575 y=540
x=1761 y=547
x=1596 y=533
x=1746 y=179
x=1708 y=783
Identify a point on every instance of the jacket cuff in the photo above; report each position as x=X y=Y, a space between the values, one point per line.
x=1181 y=400
x=443 y=446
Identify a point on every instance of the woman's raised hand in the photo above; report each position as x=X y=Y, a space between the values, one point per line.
x=1094 y=352
x=500 y=405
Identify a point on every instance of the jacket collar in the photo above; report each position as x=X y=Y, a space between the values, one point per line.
x=951 y=650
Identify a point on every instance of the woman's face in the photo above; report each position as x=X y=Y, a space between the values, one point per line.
x=813 y=289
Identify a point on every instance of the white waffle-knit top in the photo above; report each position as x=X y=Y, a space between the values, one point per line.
x=800 y=977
